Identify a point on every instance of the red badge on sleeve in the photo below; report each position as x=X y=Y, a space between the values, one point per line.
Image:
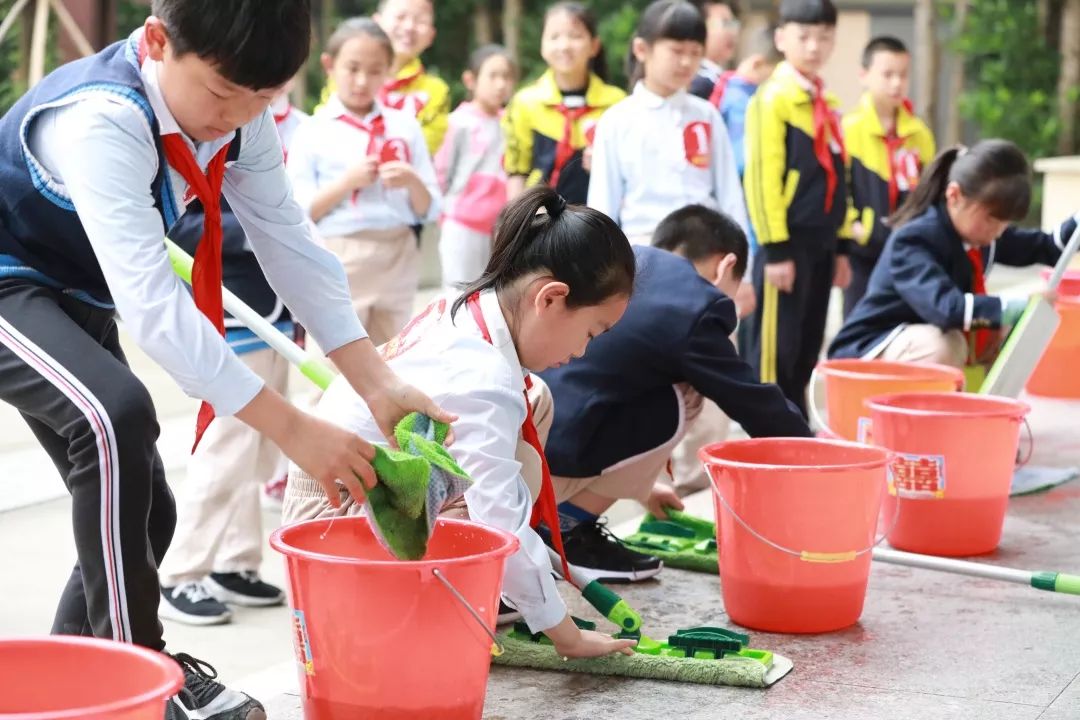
x=697 y=141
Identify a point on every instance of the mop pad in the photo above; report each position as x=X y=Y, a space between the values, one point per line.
x=682 y=541
x=415 y=483
x=1031 y=479
x=706 y=656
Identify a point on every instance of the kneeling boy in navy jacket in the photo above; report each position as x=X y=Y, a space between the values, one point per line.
x=622 y=407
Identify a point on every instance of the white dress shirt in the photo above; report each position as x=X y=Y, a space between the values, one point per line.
x=325 y=147
x=100 y=154
x=483 y=384
x=641 y=163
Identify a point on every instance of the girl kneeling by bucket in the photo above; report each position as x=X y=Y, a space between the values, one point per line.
x=927 y=299
x=558 y=277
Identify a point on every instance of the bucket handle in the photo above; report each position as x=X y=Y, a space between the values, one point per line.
x=807 y=555
x=812 y=406
x=1031 y=443
x=496 y=646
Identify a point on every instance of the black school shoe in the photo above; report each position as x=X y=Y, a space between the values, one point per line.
x=598 y=555
x=245 y=589
x=204 y=698
x=192 y=604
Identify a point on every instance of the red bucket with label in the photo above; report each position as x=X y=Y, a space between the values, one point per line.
x=953 y=465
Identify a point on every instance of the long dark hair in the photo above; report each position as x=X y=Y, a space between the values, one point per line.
x=665 y=20
x=576 y=245
x=578 y=11
x=994 y=173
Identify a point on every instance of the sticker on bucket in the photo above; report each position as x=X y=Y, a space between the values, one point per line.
x=303 y=646
x=917 y=476
x=863 y=434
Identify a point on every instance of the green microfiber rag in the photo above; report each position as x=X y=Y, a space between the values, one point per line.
x=738 y=671
x=682 y=541
x=415 y=484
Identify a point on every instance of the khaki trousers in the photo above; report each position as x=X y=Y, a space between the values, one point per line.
x=927 y=343
x=219 y=518
x=383 y=268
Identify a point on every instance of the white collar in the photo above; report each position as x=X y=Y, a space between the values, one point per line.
x=334 y=108
x=499 y=330
x=652 y=100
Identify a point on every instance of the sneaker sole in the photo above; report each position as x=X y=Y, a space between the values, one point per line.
x=225 y=595
x=608 y=576
x=168 y=611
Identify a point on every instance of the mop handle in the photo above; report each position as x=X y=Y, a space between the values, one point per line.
x=1050 y=581
x=312 y=368
x=1066 y=257
x=604 y=600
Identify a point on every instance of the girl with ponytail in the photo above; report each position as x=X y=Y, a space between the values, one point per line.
x=558 y=276
x=926 y=298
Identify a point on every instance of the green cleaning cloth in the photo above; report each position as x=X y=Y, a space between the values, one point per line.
x=682 y=541
x=730 y=670
x=416 y=482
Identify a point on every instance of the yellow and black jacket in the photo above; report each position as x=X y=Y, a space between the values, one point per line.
x=534 y=125
x=426 y=96
x=869 y=169
x=784 y=182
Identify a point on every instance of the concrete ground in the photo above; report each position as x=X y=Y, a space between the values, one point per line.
x=928 y=644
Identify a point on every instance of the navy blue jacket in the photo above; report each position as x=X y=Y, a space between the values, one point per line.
x=924 y=275
x=617 y=400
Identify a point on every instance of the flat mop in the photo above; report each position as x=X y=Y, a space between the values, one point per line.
x=705 y=655
x=1040 y=580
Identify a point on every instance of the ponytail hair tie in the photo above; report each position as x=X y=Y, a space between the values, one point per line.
x=556 y=207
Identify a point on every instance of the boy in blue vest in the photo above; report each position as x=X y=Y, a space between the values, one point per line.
x=96 y=161
x=622 y=408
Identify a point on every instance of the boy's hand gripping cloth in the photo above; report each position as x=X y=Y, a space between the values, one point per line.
x=415 y=484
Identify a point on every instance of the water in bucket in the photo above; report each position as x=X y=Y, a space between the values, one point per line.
x=849 y=382
x=795 y=524
x=949 y=481
x=73 y=678
x=384 y=639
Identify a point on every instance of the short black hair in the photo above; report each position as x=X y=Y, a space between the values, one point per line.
x=697 y=232
x=257 y=44
x=358 y=27
x=882 y=43
x=808 y=12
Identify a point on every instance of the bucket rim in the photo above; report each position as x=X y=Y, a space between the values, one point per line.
x=838 y=367
x=1007 y=407
x=168 y=686
x=705 y=454
x=282 y=546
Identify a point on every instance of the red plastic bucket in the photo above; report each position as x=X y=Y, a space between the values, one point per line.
x=795 y=524
x=61 y=677
x=385 y=639
x=1055 y=375
x=1070 y=282
x=955 y=456
x=849 y=382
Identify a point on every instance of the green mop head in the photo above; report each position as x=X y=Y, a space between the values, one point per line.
x=706 y=656
x=415 y=484
x=682 y=541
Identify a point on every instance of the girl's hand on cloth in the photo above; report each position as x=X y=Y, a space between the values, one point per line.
x=329 y=453
x=663 y=498
x=572 y=642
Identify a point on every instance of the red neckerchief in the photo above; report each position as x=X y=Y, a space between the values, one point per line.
x=979 y=338
x=826 y=124
x=564 y=150
x=893 y=144
x=375 y=130
x=546 y=508
x=278 y=119
x=206 y=274
x=393 y=86
x=720 y=87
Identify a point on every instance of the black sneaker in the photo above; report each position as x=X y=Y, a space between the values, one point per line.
x=192 y=604
x=593 y=550
x=245 y=589
x=204 y=698
x=507 y=614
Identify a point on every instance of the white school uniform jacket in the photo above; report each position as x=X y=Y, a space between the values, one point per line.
x=325 y=146
x=484 y=385
x=654 y=155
